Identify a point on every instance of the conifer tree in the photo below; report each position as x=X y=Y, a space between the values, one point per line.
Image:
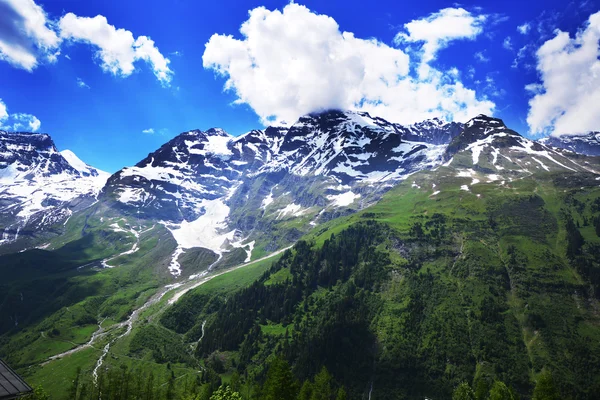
x=322 y=387
x=281 y=383
x=306 y=390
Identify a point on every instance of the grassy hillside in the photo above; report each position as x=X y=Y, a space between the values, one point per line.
x=432 y=286
x=449 y=278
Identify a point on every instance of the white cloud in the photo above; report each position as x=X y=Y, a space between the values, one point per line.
x=28 y=36
x=148 y=131
x=293 y=62
x=117 y=49
x=82 y=84
x=3 y=111
x=25 y=34
x=439 y=29
x=524 y=29
x=534 y=88
x=568 y=100
x=17 y=122
x=507 y=43
x=480 y=57
x=521 y=54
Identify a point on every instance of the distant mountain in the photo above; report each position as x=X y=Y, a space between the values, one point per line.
x=220 y=192
x=40 y=186
x=261 y=191
x=353 y=147
x=489 y=146
x=588 y=144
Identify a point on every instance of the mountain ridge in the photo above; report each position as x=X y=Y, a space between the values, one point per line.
x=222 y=189
x=39 y=186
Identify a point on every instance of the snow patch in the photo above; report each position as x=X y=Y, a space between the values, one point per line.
x=291 y=209
x=207 y=230
x=343 y=199
x=174 y=266
x=132 y=195
x=466 y=173
x=267 y=200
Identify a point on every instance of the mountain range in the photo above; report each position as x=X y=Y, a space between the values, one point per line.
x=340 y=234
x=220 y=192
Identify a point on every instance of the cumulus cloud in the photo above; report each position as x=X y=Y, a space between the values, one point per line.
x=439 y=29
x=18 y=121
x=28 y=36
x=117 y=49
x=292 y=62
x=149 y=131
x=567 y=101
x=507 y=43
x=25 y=34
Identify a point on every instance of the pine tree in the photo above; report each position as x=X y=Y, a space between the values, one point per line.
x=322 y=387
x=306 y=390
x=281 y=383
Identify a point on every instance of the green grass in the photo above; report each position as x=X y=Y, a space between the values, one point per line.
x=57 y=376
x=273 y=329
x=236 y=279
x=279 y=277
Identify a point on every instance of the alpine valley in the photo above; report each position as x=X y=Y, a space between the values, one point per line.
x=342 y=256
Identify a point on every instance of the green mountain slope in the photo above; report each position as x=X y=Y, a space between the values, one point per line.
x=423 y=291
x=485 y=270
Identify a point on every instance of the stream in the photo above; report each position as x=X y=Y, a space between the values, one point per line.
x=182 y=288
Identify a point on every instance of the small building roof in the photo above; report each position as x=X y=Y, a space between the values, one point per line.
x=11 y=384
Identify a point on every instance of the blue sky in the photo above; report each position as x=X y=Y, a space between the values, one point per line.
x=96 y=95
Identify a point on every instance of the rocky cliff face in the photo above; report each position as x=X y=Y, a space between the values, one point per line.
x=39 y=186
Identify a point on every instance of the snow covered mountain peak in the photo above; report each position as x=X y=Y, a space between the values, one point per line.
x=22 y=152
x=350 y=146
x=494 y=148
x=588 y=144
x=83 y=168
x=40 y=186
x=207 y=184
